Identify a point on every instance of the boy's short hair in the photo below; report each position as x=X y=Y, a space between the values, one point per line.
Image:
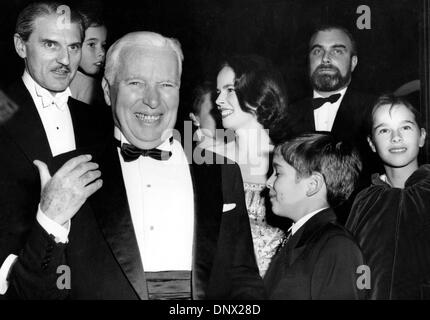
x=337 y=161
x=392 y=101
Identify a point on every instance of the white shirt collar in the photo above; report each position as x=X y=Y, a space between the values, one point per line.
x=342 y=93
x=45 y=97
x=165 y=145
x=297 y=225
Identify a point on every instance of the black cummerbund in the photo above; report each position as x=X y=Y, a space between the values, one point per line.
x=169 y=285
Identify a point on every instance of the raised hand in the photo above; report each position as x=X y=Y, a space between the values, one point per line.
x=64 y=193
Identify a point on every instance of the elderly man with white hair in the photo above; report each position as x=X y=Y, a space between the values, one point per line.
x=161 y=226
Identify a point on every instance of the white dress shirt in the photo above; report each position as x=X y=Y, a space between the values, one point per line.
x=324 y=116
x=161 y=200
x=297 y=225
x=54 y=114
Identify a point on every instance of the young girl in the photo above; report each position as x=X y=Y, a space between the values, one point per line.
x=86 y=85
x=391 y=218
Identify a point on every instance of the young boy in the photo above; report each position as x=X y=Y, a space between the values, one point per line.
x=312 y=174
x=391 y=218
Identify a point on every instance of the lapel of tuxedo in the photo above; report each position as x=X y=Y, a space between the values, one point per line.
x=292 y=251
x=92 y=126
x=82 y=122
x=302 y=117
x=26 y=128
x=112 y=212
x=300 y=241
x=308 y=116
x=345 y=122
x=208 y=204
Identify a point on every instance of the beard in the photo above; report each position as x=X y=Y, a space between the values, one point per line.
x=329 y=82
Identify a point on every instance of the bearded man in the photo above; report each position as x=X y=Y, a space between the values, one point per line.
x=335 y=108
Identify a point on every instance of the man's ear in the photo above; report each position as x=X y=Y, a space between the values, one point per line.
x=314 y=184
x=370 y=142
x=354 y=62
x=422 y=137
x=20 y=46
x=106 y=91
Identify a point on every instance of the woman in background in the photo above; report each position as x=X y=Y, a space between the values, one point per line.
x=253 y=104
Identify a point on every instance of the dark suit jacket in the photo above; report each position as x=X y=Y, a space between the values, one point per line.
x=349 y=125
x=318 y=262
x=103 y=254
x=22 y=140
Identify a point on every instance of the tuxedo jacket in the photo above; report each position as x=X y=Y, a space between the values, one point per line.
x=349 y=123
x=104 y=258
x=318 y=262
x=23 y=140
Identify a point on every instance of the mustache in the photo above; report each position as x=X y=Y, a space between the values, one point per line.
x=326 y=66
x=61 y=69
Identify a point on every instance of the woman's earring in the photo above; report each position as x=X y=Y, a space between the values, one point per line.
x=194 y=119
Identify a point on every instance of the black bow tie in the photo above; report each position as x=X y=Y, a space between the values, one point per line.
x=131 y=153
x=318 y=102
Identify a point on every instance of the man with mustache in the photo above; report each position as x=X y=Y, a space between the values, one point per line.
x=335 y=107
x=47 y=129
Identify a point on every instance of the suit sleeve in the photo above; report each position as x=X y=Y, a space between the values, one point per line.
x=334 y=275
x=34 y=274
x=246 y=281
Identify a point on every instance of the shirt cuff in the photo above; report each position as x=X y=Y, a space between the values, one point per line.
x=4 y=272
x=51 y=227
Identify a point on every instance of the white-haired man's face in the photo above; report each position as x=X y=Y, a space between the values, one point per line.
x=144 y=94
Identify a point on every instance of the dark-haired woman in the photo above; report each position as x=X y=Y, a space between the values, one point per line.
x=252 y=103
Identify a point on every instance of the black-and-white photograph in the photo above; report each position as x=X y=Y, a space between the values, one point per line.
x=215 y=150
